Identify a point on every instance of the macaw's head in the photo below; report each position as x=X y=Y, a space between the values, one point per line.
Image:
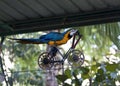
x=69 y=33
x=72 y=32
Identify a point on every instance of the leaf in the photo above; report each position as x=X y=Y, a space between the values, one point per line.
x=99 y=78
x=85 y=70
x=112 y=67
x=85 y=76
x=95 y=83
x=100 y=71
x=76 y=82
x=68 y=73
x=65 y=84
x=94 y=68
x=62 y=78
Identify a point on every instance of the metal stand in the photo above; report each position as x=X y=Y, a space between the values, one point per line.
x=63 y=68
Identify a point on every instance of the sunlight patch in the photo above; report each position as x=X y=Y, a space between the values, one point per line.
x=119 y=37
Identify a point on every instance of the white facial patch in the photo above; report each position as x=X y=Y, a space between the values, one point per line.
x=72 y=32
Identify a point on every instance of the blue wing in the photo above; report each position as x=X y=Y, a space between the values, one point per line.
x=52 y=36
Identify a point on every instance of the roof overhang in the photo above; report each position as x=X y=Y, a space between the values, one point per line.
x=97 y=16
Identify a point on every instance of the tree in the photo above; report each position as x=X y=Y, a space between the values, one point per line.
x=99 y=67
x=24 y=58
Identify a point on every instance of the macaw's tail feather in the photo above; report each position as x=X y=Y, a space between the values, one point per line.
x=27 y=41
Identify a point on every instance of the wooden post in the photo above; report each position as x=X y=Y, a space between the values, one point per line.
x=50 y=74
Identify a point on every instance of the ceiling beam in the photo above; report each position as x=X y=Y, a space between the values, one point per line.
x=98 y=17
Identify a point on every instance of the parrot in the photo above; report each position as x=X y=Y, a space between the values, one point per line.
x=51 y=38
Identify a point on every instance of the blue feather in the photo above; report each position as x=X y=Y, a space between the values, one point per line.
x=52 y=36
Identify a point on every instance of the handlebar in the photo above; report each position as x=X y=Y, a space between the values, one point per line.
x=74 y=43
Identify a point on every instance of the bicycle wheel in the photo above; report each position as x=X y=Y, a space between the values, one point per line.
x=76 y=58
x=45 y=61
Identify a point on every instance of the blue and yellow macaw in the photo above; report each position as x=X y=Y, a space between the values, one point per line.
x=52 y=38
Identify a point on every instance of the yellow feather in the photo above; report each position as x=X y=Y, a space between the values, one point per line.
x=60 y=42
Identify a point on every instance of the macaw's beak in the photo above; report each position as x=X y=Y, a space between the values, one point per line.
x=72 y=32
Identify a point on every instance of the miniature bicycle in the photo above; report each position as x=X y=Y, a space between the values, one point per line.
x=73 y=56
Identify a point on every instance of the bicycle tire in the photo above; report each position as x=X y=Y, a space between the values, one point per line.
x=76 y=58
x=44 y=61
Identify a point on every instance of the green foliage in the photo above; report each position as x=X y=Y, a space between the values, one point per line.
x=28 y=78
x=62 y=78
x=69 y=74
x=103 y=76
x=96 y=43
x=24 y=57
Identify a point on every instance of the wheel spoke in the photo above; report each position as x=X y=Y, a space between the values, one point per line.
x=76 y=58
x=44 y=61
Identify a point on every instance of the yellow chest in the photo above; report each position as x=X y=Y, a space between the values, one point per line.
x=60 y=42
